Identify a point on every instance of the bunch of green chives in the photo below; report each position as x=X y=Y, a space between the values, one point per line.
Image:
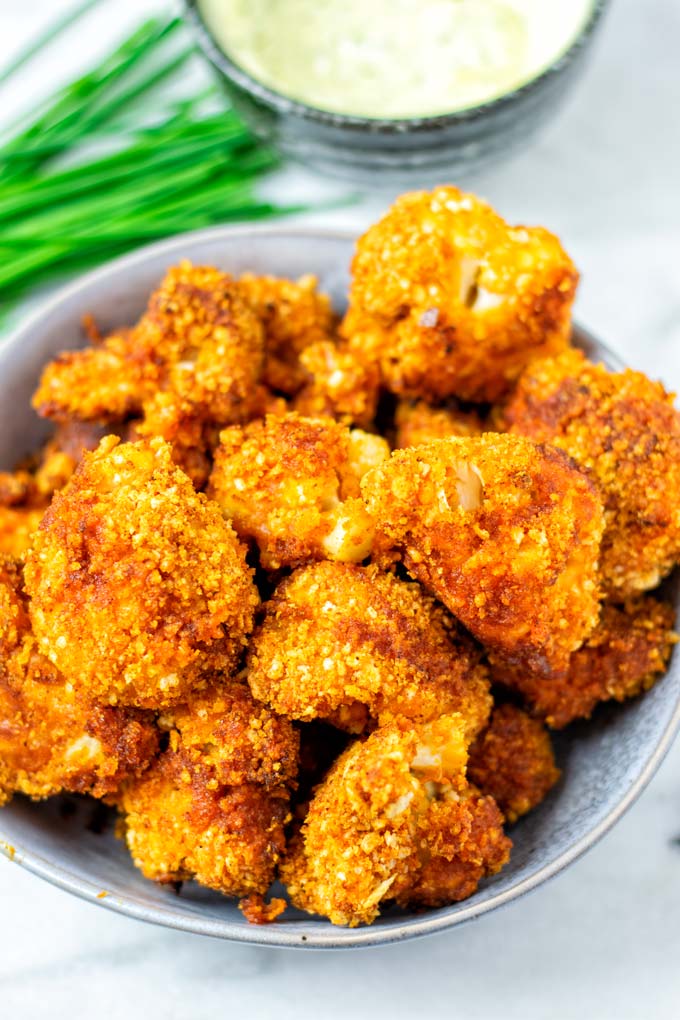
x=189 y=165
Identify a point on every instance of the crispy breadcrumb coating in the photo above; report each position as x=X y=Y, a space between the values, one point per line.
x=209 y=340
x=17 y=527
x=505 y=533
x=22 y=506
x=353 y=646
x=193 y=360
x=295 y=315
x=339 y=384
x=513 y=761
x=16 y=487
x=257 y=910
x=462 y=842
x=452 y=301
x=395 y=820
x=192 y=440
x=417 y=423
x=624 y=430
x=53 y=737
x=139 y=586
x=232 y=736
x=106 y=383
x=181 y=824
x=292 y=485
x=52 y=740
x=625 y=655
x=61 y=455
x=25 y=494
x=15 y=624
x=214 y=805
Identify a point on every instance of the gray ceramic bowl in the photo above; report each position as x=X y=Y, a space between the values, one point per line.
x=606 y=762
x=408 y=152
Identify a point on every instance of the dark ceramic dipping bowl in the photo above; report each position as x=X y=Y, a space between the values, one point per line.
x=605 y=762
x=409 y=152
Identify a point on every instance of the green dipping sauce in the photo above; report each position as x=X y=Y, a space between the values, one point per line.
x=395 y=58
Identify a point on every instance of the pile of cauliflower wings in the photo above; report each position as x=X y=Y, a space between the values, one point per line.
x=302 y=596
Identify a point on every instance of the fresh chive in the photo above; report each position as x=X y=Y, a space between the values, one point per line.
x=63 y=124
x=45 y=38
x=109 y=175
x=118 y=62
x=163 y=171
x=61 y=262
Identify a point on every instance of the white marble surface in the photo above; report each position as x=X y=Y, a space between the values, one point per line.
x=603 y=940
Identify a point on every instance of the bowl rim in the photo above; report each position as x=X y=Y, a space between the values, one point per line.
x=282 y=104
x=273 y=935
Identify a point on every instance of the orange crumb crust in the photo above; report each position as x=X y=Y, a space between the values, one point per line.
x=450 y=300
x=139 y=587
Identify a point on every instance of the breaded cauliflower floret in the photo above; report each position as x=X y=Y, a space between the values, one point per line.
x=292 y=485
x=214 y=806
x=106 y=383
x=21 y=509
x=193 y=360
x=180 y=824
x=53 y=740
x=16 y=487
x=53 y=737
x=513 y=761
x=175 y=420
x=417 y=423
x=505 y=533
x=339 y=385
x=452 y=301
x=17 y=527
x=210 y=342
x=25 y=494
x=15 y=624
x=225 y=731
x=624 y=430
x=139 y=586
x=61 y=455
x=626 y=654
x=295 y=316
x=395 y=820
x=352 y=645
